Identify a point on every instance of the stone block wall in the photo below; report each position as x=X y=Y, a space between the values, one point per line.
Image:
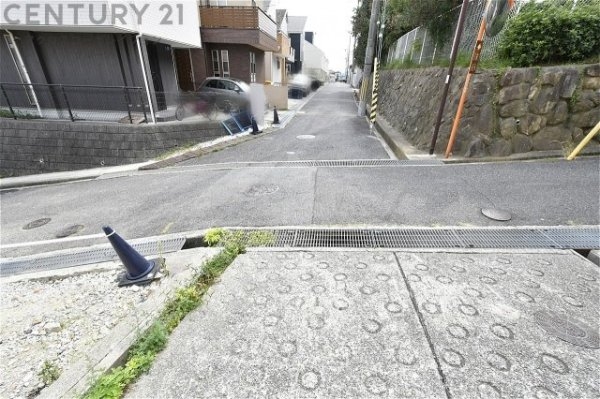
x=36 y=146
x=512 y=111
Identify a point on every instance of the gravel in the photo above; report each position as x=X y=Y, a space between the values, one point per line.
x=56 y=321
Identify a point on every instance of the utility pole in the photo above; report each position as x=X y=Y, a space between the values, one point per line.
x=369 y=53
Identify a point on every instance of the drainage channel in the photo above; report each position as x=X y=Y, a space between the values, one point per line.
x=322 y=164
x=84 y=256
x=485 y=238
x=581 y=239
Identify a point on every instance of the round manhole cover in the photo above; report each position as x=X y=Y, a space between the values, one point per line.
x=69 y=231
x=305 y=137
x=36 y=223
x=496 y=214
x=261 y=189
x=568 y=329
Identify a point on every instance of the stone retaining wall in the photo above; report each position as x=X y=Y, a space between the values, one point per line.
x=513 y=111
x=30 y=147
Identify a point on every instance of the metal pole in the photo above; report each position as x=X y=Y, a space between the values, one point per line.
x=128 y=102
x=22 y=68
x=584 y=142
x=423 y=46
x=8 y=102
x=145 y=75
x=465 y=91
x=370 y=52
x=67 y=102
x=453 y=55
x=405 y=45
x=143 y=106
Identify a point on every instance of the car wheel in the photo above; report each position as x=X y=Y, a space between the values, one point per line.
x=180 y=112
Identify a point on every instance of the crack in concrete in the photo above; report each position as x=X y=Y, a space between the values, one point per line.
x=424 y=327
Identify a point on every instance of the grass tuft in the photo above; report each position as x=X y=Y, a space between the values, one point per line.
x=141 y=355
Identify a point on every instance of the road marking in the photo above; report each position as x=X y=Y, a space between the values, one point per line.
x=53 y=241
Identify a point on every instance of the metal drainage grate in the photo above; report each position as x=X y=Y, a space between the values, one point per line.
x=483 y=238
x=323 y=164
x=78 y=257
x=586 y=238
x=355 y=163
x=530 y=238
x=416 y=238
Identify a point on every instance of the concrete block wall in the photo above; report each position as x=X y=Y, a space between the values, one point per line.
x=37 y=146
x=511 y=111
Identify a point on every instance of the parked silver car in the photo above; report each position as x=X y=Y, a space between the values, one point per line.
x=230 y=94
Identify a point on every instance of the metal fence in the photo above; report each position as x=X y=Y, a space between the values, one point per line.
x=419 y=47
x=74 y=102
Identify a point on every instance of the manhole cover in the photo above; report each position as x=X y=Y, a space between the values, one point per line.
x=69 y=231
x=261 y=189
x=496 y=214
x=568 y=329
x=36 y=223
x=305 y=137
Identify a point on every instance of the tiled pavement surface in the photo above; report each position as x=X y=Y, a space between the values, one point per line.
x=389 y=324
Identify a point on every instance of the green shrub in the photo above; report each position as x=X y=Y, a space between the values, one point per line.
x=49 y=372
x=552 y=32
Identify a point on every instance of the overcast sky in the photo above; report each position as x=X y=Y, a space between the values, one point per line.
x=330 y=20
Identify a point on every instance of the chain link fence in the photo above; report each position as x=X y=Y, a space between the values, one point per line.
x=419 y=47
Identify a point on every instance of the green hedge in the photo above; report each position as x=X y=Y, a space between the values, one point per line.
x=552 y=32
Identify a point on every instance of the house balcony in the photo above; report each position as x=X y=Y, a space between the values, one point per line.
x=240 y=25
x=285 y=45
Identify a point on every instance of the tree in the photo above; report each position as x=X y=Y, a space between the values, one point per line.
x=405 y=15
x=360 y=30
x=402 y=16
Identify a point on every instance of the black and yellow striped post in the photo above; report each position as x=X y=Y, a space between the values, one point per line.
x=375 y=91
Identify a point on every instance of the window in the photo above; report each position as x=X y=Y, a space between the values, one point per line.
x=252 y=67
x=225 y=63
x=229 y=85
x=215 y=62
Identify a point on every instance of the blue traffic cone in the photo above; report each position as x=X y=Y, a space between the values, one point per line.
x=275 y=116
x=255 y=129
x=138 y=269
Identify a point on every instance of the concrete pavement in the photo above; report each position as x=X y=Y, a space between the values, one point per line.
x=366 y=324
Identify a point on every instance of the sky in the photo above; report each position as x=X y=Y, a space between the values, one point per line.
x=331 y=22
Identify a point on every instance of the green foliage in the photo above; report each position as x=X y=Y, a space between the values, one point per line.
x=213 y=236
x=49 y=372
x=153 y=341
x=260 y=238
x=463 y=60
x=433 y=14
x=141 y=355
x=254 y=238
x=5 y=113
x=552 y=32
x=186 y=300
x=360 y=29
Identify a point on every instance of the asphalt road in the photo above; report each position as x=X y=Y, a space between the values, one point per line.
x=330 y=117
x=191 y=197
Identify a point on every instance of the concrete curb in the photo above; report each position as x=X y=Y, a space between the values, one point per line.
x=177 y=158
x=64 y=177
x=403 y=149
x=112 y=350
